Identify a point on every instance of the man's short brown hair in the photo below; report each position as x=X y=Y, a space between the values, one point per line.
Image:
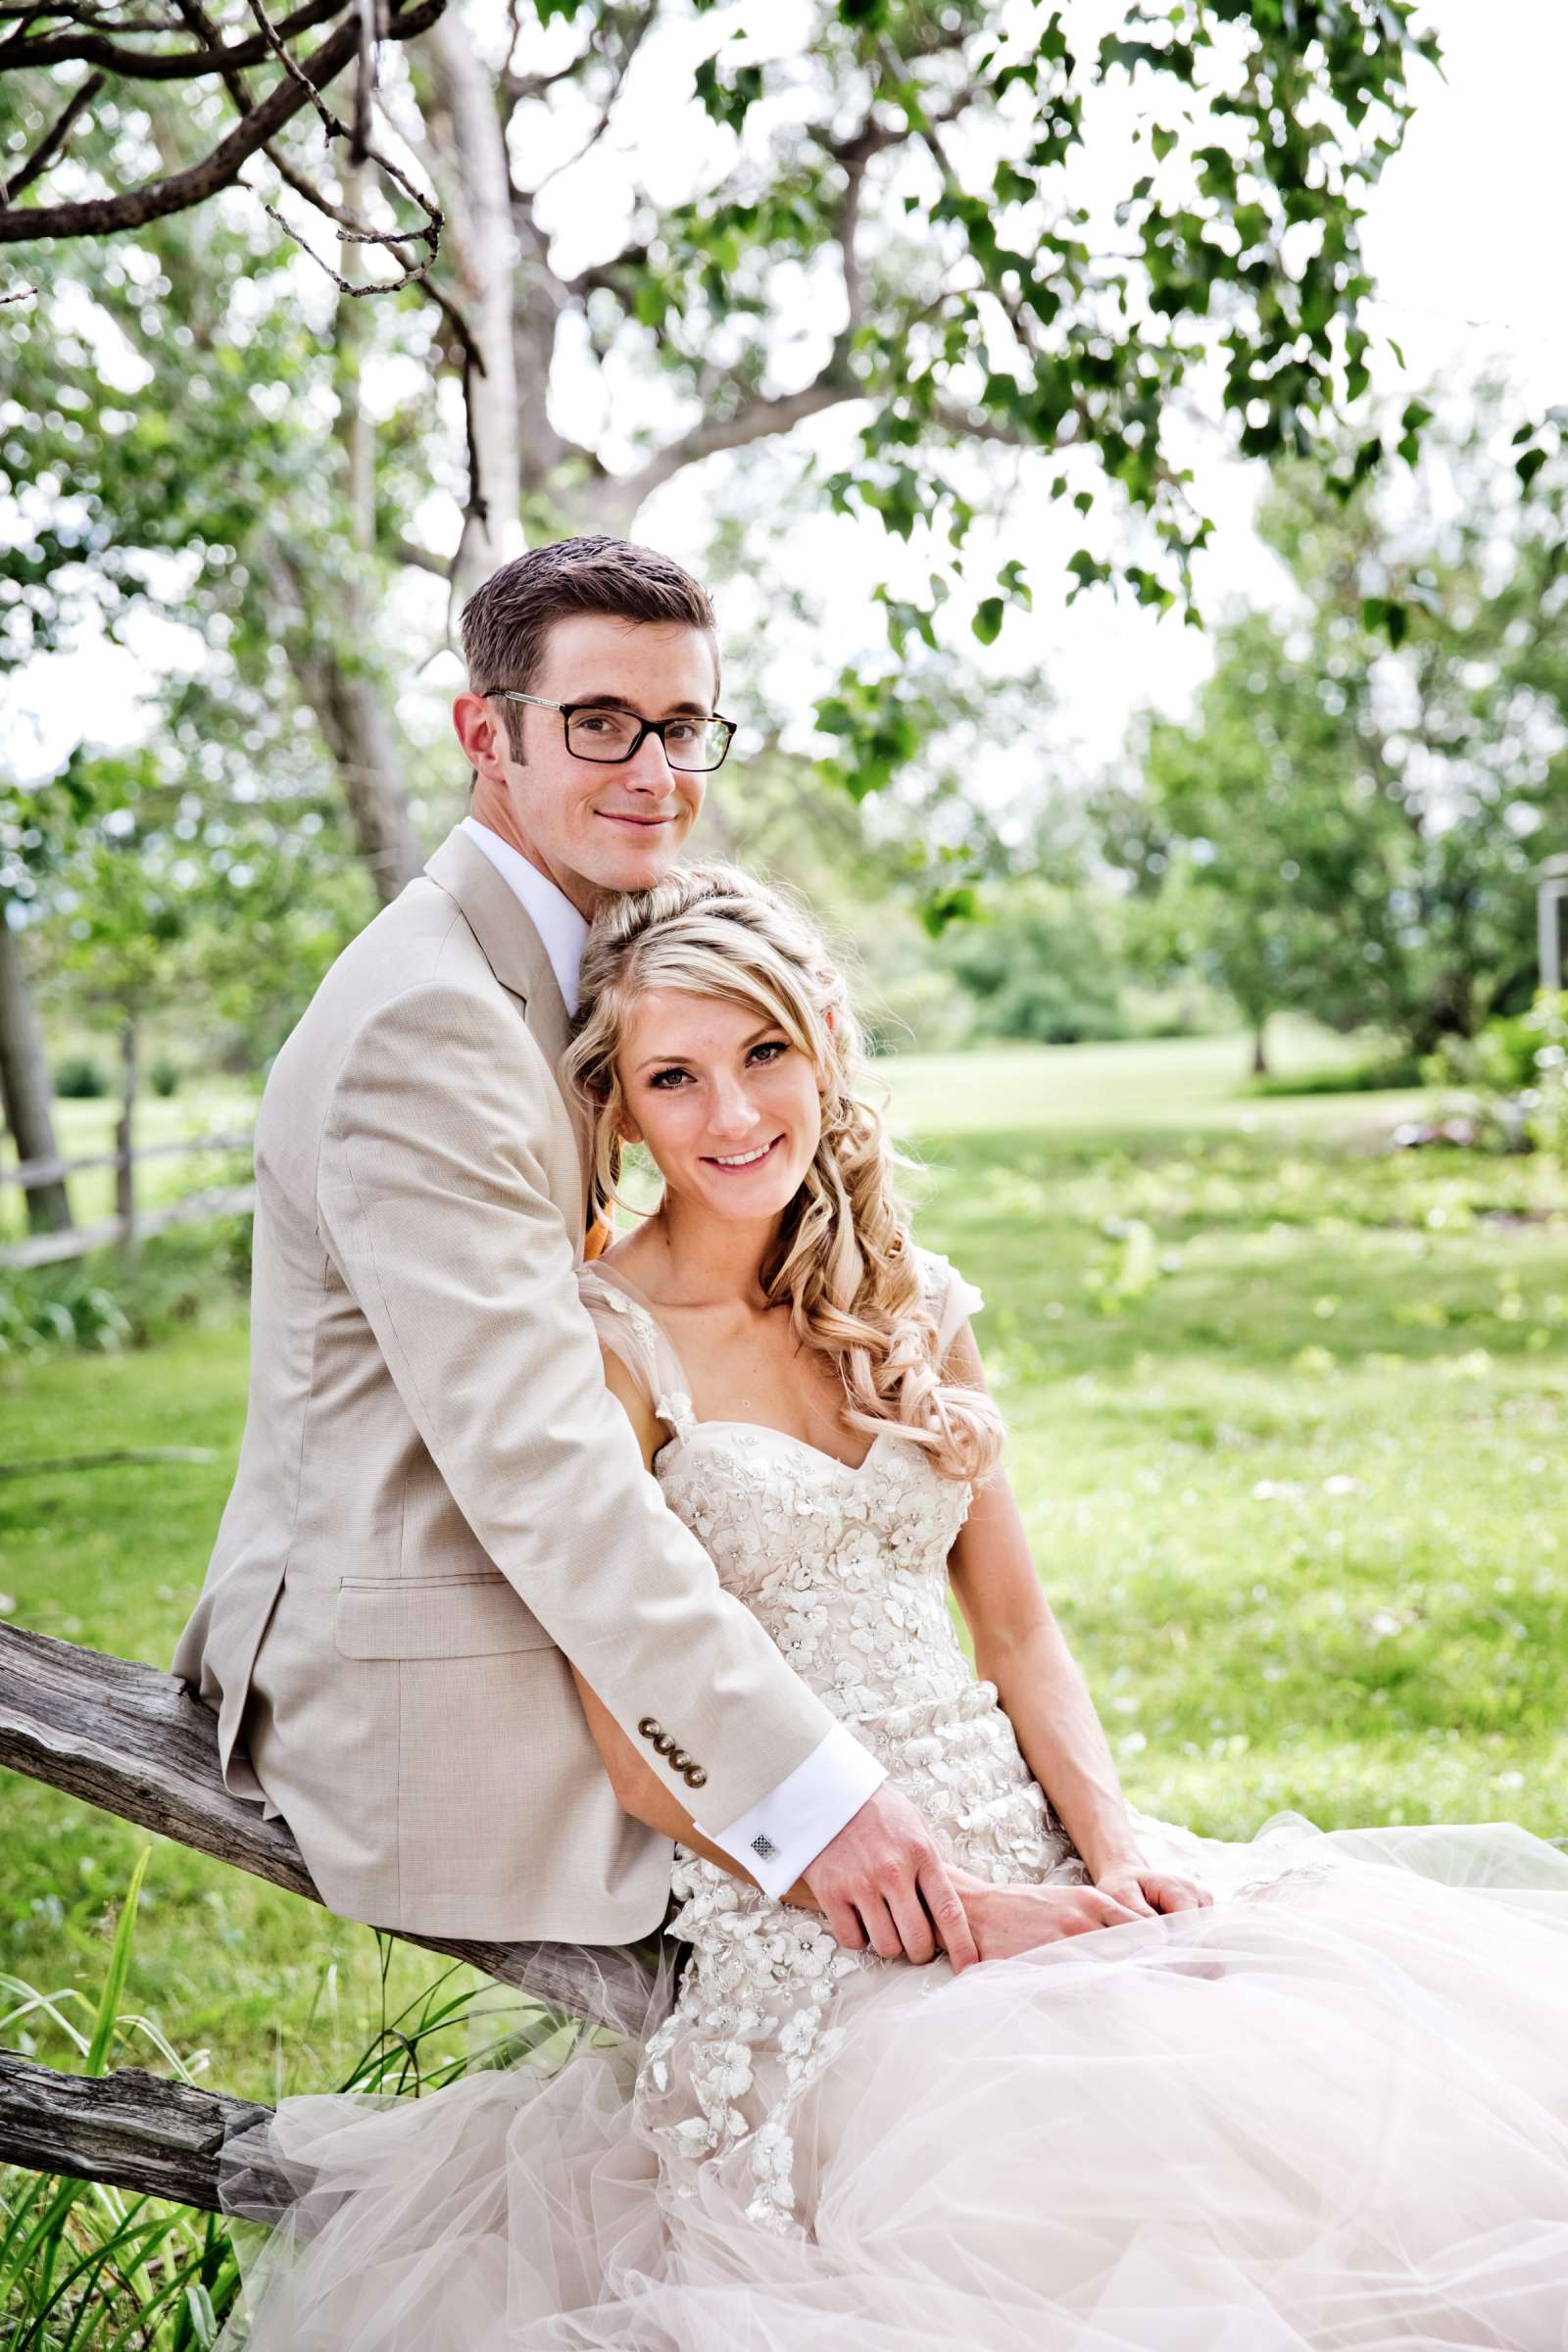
x=506 y=622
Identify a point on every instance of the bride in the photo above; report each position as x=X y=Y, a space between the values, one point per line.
x=1305 y=2091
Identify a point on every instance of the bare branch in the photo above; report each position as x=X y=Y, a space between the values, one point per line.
x=54 y=138
x=609 y=274
x=513 y=88
x=631 y=42
x=159 y=65
x=30 y=16
x=422 y=558
x=156 y=199
x=91 y=16
x=759 y=419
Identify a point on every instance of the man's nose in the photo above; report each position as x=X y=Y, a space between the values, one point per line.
x=650 y=771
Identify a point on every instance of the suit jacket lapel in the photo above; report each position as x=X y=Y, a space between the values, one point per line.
x=515 y=953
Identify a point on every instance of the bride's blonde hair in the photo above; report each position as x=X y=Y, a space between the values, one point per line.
x=842 y=1257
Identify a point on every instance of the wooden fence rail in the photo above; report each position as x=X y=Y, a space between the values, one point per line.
x=138 y=1742
x=29 y=1173
x=133 y=2130
x=131 y=1222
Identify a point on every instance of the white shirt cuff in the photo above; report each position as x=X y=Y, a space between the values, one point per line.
x=786 y=1830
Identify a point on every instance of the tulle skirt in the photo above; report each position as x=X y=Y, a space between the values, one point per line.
x=1330 y=2110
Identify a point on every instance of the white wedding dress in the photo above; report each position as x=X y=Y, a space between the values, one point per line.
x=1329 y=2111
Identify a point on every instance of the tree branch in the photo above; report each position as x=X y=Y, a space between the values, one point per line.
x=160 y=64
x=422 y=558
x=54 y=138
x=622 y=494
x=631 y=41
x=156 y=199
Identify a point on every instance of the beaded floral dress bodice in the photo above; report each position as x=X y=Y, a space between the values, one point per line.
x=847 y=1568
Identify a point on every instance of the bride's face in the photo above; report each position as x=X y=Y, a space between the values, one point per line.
x=730 y=1110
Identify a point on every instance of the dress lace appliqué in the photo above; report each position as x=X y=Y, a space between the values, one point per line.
x=846 y=1566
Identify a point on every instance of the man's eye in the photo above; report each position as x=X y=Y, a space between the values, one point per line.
x=682 y=730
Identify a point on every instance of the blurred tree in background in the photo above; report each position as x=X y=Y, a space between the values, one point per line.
x=1353 y=821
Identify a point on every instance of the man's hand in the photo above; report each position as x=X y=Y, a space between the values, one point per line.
x=882 y=1881
x=1006 y=1920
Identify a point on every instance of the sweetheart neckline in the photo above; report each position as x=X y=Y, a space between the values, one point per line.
x=633 y=1293
x=771 y=1429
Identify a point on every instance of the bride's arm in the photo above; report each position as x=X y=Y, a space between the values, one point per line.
x=637 y=1788
x=1020 y=1648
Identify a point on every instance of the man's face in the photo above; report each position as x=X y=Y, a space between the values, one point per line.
x=591 y=827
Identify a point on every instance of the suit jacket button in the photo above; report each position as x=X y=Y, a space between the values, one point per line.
x=695 y=1777
x=679 y=1759
x=649 y=1728
x=663 y=1744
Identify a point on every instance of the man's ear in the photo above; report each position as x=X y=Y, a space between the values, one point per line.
x=483 y=739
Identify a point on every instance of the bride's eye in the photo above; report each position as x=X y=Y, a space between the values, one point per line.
x=770 y=1049
x=665 y=1080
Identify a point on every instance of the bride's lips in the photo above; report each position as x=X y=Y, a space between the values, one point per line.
x=712 y=1161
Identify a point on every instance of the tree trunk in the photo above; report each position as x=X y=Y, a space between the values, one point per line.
x=334 y=654
x=353 y=707
x=339 y=677
x=26 y=1091
x=1259 y=1055
x=484 y=249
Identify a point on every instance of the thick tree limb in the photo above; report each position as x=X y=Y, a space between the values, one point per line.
x=160 y=64
x=156 y=199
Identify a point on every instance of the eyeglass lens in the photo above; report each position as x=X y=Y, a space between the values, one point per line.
x=693 y=744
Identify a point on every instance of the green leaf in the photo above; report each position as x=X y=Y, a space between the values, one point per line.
x=113 y=1984
x=987 y=621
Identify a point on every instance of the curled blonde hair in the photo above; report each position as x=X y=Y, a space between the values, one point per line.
x=842 y=1258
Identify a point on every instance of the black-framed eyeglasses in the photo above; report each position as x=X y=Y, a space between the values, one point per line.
x=611 y=737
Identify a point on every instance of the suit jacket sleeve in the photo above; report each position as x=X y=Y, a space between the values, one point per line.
x=434 y=1205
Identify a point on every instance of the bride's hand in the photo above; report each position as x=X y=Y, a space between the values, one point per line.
x=1006 y=1919
x=1146 y=1891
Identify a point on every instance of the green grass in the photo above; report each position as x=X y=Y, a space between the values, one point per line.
x=1288 y=1414
x=1141 y=1084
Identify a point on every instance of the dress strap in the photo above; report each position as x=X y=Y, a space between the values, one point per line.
x=950 y=1299
x=629 y=1329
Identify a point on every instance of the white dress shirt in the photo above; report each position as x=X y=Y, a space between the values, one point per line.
x=786 y=1830
x=553 y=916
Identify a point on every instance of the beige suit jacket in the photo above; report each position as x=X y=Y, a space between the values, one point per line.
x=437 y=1500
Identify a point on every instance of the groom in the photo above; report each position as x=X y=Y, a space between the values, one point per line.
x=437 y=1502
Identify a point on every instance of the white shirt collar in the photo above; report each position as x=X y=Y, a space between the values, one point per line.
x=553 y=916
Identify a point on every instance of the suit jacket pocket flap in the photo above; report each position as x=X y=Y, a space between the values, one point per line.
x=429 y=1617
